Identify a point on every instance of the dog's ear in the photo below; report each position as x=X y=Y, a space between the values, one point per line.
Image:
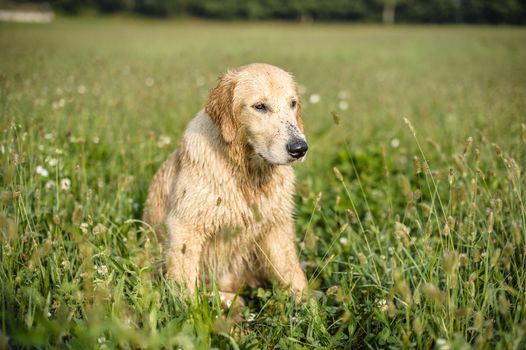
x=220 y=106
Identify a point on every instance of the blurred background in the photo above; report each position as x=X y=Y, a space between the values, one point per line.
x=139 y=70
x=388 y=11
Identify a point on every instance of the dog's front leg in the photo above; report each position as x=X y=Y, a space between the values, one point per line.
x=281 y=258
x=183 y=253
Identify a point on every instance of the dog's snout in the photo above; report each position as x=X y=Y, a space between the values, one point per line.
x=297 y=148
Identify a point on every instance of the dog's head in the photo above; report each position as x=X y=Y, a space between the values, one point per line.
x=262 y=102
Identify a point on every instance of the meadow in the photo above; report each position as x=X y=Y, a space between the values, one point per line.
x=411 y=219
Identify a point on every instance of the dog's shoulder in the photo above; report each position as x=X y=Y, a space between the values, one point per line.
x=201 y=138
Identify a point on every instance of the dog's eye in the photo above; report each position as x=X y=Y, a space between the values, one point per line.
x=261 y=107
x=293 y=104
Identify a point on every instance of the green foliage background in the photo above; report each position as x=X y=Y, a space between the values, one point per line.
x=435 y=11
x=414 y=232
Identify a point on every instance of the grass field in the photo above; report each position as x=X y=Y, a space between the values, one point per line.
x=413 y=231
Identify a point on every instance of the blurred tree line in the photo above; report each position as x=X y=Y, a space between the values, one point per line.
x=432 y=11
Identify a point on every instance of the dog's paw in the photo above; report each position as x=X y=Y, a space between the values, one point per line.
x=232 y=305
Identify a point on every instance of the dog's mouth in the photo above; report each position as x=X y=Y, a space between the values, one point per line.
x=263 y=158
x=290 y=160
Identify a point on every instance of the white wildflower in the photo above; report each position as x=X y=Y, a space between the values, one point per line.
x=344 y=241
x=96 y=140
x=163 y=141
x=52 y=161
x=65 y=184
x=382 y=304
x=442 y=344
x=101 y=340
x=42 y=171
x=149 y=82
x=343 y=95
x=49 y=136
x=343 y=105
x=84 y=227
x=81 y=89
x=50 y=184
x=102 y=270
x=251 y=317
x=395 y=143
x=99 y=229
x=314 y=98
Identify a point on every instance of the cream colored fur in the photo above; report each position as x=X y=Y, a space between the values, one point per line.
x=225 y=196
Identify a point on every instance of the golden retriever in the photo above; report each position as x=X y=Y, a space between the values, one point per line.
x=225 y=196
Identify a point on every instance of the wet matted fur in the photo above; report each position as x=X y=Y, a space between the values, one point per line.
x=225 y=196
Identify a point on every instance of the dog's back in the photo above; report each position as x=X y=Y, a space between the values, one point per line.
x=157 y=202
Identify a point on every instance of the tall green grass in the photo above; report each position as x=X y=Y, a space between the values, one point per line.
x=413 y=229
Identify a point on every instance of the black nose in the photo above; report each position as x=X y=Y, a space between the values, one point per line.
x=297 y=148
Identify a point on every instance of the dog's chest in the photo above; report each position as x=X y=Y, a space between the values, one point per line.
x=217 y=205
x=237 y=211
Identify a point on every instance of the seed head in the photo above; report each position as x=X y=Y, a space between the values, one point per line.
x=336 y=118
x=446 y=231
x=491 y=221
x=497 y=149
x=76 y=217
x=405 y=187
x=495 y=258
x=507 y=253
x=426 y=209
x=338 y=174
x=433 y=293
x=429 y=228
x=318 y=198
x=410 y=126
x=504 y=304
x=449 y=262
x=362 y=258
x=418 y=326
x=352 y=216
x=458 y=195
x=417 y=165
x=516 y=232
x=514 y=170
x=460 y=163
x=467 y=146
x=401 y=229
